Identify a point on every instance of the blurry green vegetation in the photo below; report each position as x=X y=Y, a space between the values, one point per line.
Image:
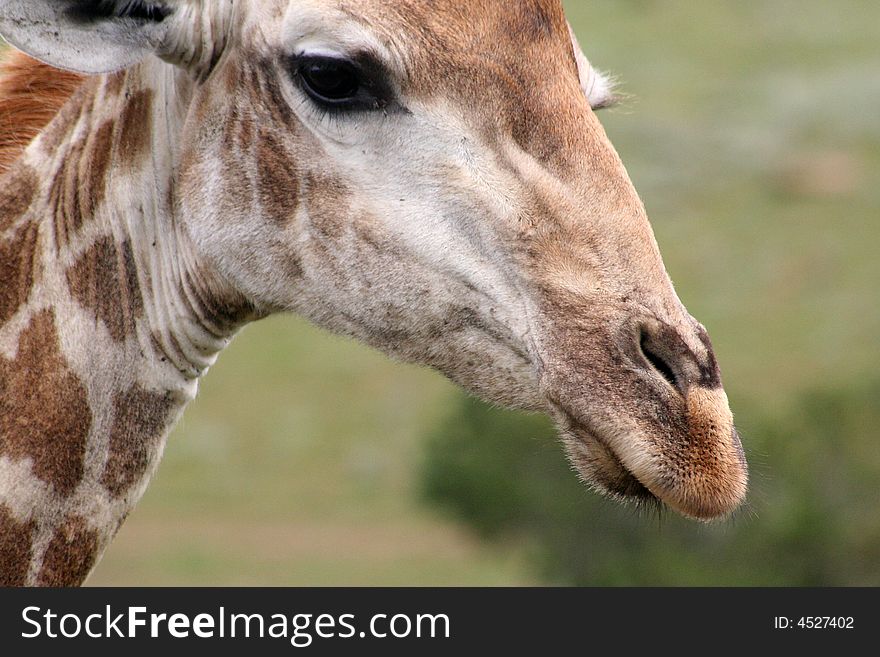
x=811 y=520
x=753 y=137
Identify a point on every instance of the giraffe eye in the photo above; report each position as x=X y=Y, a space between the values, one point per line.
x=340 y=84
x=329 y=81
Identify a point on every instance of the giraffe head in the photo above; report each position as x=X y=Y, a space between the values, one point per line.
x=430 y=178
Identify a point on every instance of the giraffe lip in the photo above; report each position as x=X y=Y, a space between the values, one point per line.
x=627 y=483
x=604 y=469
x=619 y=480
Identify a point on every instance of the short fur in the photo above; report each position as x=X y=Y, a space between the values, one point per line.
x=479 y=222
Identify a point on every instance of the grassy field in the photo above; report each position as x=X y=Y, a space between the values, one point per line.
x=753 y=135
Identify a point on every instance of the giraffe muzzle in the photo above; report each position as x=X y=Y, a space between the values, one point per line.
x=644 y=417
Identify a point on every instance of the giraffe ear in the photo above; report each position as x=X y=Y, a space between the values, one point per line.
x=86 y=36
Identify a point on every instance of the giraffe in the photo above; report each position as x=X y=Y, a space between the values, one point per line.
x=428 y=178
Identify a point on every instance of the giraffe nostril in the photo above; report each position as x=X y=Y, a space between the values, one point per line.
x=660 y=365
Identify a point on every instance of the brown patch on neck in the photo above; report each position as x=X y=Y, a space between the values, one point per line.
x=71 y=554
x=31 y=93
x=104 y=281
x=17 y=192
x=64 y=198
x=115 y=83
x=18 y=253
x=16 y=541
x=18 y=267
x=140 y=420
x=136 y=126
x=94 y=179
x=80 y=183
x=44 y=410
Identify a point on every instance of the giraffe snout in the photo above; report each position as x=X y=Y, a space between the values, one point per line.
x=644 y=415
x=698 y=467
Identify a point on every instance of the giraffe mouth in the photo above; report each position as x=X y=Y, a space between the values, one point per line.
x=713 y=486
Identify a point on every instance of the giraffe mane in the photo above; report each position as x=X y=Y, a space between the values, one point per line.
x=31 y=94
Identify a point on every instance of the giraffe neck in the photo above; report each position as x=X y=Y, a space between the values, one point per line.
x=107 y=322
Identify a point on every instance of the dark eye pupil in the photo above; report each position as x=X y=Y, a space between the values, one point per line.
x=329 y=79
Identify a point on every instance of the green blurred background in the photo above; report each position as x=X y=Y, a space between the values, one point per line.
x=753 y=136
